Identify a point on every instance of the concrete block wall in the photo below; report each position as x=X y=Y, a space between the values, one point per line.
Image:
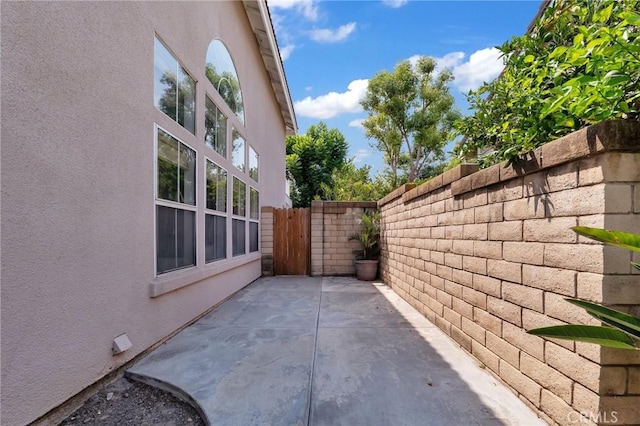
x=489 y=254
x=266 y=239
x=332 y=223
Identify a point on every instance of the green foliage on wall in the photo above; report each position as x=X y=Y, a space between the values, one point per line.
x=352 y=183
x=578 y=66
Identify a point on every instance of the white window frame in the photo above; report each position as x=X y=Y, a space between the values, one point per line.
x=171 y=204
x=195 y=84
x=218 y=213
x=253 y=220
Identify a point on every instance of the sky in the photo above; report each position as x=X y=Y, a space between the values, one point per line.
x=330 y=49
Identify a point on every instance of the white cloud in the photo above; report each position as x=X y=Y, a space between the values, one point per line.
x=450 y=60
x=285 y=52
x=361 y=155
x=333 y=103
x=357 y=123
x=483 y=65
x=308 y=8
x=326 y=35
x=395 y=3
x=308 y=88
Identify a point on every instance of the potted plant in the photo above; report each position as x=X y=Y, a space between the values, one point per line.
x=368 y=256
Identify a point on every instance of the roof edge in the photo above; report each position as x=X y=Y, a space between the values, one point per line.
x=272 y=59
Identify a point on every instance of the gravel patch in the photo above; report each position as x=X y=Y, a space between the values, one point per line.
x=126 y=402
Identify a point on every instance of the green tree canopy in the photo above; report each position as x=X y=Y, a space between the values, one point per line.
x=352 y=183
x=312 y=159
x=411 y=116
x=579 y=65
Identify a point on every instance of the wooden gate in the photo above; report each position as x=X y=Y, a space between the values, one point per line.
x=292 y=241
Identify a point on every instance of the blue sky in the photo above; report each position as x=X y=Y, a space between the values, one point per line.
x=331 y=48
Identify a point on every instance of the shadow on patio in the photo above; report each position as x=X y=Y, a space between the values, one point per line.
x=326 y=351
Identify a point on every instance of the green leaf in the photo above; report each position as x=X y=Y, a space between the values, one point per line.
x=630 y=331
x=631 y=18
x=624 y=107
x=558 y=51
x=636 y=265
x=603 y=336
x=620 y=239
x=604 y=14
x=595 y=42
x=616 y=77
x=568 y=122
x=529 y=58
x=555 y=105
x=626 y=320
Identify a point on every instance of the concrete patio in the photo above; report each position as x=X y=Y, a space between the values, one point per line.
x=326 y=351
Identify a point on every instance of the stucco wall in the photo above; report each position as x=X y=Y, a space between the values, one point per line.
x=490 y=255
x=77 y=247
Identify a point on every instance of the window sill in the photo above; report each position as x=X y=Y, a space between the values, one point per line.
x=178 y=279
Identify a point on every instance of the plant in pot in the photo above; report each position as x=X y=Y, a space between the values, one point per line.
x=368 y=256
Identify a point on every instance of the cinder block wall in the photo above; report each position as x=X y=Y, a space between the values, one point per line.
x=332 y=223
x=487 y=255
x=266 y=238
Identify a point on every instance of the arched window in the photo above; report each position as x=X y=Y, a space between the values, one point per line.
x=222 y=74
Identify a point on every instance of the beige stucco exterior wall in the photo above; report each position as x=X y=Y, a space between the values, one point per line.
x=490 y=255
x=77 y=247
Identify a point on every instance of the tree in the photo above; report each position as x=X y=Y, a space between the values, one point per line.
x=352 y=183
x=411 y=114
x=312 y=159
x=578 y=66
x=389 y=143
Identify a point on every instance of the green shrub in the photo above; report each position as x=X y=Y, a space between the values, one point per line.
x=578 y=66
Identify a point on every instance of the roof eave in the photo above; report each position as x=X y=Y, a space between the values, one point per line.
x=262 y=26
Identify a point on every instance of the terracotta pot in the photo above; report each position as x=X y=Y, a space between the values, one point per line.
x=366 y=270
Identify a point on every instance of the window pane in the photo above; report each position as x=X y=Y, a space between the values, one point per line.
x=216 y=187
x=187 y=180
x=215 y=237
x=254 y=204
x=215 y=128
x=253 y=237
x=168 y=162
x=165 y=239
x=175 y=239
x=186 y=100
x=165 y=68
x=239 y=197
x=185 y=238
x=253 y=164
x=238 y=236
x=237 y=153
x=174 y=90
x=222 y=74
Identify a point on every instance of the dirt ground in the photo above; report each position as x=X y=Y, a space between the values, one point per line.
x=126 y=402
